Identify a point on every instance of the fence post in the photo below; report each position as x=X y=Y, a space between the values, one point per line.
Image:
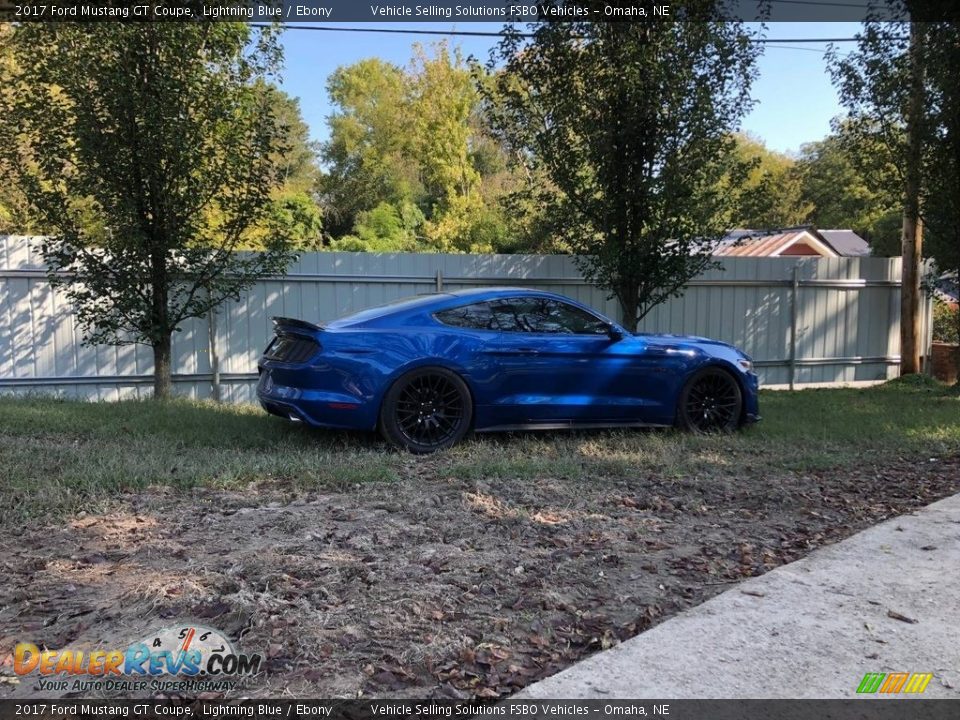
x=214 y=355
x=794 y=290
x=439 y=279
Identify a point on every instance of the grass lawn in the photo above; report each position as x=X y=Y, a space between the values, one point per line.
x=62 y=456
x=359 y=570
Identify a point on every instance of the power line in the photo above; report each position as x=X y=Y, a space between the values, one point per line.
x=789 y=47
x=803 y=40
x=821 y=3
x=820 y=52
x=477 y=33
x=393 y=31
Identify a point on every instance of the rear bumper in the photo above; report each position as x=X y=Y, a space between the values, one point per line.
x=319 y=408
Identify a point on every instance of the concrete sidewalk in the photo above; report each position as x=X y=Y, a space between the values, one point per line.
x=810 y=629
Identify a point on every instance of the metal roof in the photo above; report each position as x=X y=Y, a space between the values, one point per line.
x=765 y=244
x=846 y=242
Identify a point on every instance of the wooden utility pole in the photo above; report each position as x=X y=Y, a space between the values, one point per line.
x=912 y=238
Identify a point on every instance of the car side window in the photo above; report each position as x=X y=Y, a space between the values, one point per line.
x=478 y=316
x=544 y=315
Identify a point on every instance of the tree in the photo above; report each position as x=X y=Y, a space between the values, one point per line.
x=413 y=136
x=773 y=188
x=900 y=89
x=295 y=154
x=633 y=125
x=294 y=211
x=14 y=210
x=846 y=185
x=150 y=149
x=368 y=147
x=941 y=203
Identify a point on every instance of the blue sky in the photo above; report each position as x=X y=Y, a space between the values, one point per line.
x=796 y=99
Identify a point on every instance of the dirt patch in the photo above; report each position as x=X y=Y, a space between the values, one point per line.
x=431 y=588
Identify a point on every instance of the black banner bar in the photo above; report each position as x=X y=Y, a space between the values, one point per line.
x=464 y=11
x=854 y=709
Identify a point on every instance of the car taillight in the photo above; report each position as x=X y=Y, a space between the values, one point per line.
x=292 y=348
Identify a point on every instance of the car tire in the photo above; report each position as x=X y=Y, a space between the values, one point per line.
x=426 y=410
x=711 y=401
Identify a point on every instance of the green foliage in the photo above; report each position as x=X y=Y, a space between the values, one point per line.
x=442 y=97
x=414 y=137
x=828 y=186
x=294 y=154
x=946 y=322
x=151 y=151
x=14 y=208
x=293 y=220
x=294 y=213
x=847 y=191
x=884 y=234
x=874 y=85
x=385 y=228
x=366 y=153
x=941 y=208
x=773 y=188
x=632 y=125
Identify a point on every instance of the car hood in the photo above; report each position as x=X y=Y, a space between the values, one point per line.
x=707 y=345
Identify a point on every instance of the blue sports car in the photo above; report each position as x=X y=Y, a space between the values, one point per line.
x=428 y=369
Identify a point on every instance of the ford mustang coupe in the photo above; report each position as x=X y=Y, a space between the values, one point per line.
x=428 y=369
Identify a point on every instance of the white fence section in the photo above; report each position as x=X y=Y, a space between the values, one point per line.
x=802 y=320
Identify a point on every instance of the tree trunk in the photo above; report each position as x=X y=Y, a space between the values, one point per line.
x=912 y=229
x=629 y=297
x=910 y=334
x=162 y=368
x=956 y=319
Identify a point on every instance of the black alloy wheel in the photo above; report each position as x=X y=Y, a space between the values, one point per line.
x=711 y=401
x=426 y=410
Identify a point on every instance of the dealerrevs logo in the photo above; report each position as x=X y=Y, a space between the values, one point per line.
x=199 y=657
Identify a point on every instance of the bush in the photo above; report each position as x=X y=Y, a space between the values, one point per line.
x=945 y=322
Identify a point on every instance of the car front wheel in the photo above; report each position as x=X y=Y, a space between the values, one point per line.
x=426 y=410
x=711 y=401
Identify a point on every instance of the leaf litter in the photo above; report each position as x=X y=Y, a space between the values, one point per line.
x=434 y=587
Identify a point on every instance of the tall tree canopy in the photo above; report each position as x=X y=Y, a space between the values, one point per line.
x=844 y=190
x=901 y=93
x=14 y=208
x=941 y=209
x=773 y=188
x=150 y=150
x=410 y=164
x=632 y=125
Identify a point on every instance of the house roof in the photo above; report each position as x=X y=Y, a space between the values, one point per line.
x=775 y=242
x=947 y=288
x=772 y=243
x=846 y=242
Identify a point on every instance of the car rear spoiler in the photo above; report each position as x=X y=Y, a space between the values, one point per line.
x=294 y=323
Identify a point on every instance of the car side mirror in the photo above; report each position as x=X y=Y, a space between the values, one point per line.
x=614 y=333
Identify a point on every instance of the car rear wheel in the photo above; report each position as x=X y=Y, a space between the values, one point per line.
x=711 y=401
x=426 y=410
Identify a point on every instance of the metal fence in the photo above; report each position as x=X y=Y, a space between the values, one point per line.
x=803 y=320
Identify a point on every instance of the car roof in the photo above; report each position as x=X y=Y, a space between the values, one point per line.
x=430 y=302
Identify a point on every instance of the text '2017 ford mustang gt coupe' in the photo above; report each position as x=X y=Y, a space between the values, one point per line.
x=426 y=370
